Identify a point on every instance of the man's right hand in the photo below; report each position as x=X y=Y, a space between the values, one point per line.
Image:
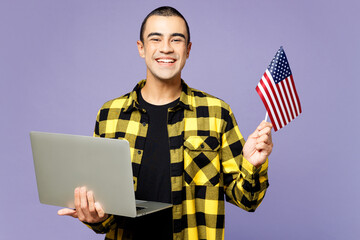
x=86 y=209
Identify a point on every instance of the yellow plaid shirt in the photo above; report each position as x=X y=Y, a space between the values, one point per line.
x=206 y=161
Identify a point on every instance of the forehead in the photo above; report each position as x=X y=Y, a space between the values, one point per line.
x=165 y=25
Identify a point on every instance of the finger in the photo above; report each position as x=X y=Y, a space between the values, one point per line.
x=91 y=203
x=265 y=131
x=265 y=136
x=264 y=148
x=263 y=125
x=263 y=139
x=84 y=203
x=67 y=212
x=99 y=210
x=77 y=201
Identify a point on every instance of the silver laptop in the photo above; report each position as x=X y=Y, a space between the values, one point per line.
x=63 y=162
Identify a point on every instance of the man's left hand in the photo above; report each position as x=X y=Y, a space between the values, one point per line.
x=259 y=144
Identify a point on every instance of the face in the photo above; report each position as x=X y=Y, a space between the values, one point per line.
x=165 y=47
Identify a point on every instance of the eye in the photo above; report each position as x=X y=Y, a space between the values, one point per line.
x=155 y=39
x=177 y=40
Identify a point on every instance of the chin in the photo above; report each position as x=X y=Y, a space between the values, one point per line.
x=167 y=77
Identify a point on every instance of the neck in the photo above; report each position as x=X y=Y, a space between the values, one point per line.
x=161 y=92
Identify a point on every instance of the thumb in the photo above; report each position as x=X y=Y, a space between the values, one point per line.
x=68 y=212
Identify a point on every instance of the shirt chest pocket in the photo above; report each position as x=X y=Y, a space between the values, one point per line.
x=201 y=160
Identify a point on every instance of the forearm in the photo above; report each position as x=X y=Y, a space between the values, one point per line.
x=246 y=188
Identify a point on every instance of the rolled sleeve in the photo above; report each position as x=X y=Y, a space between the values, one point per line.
x=244 y=184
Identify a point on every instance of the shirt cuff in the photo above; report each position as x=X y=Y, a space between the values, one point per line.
x=251 y=169
x=101 y=226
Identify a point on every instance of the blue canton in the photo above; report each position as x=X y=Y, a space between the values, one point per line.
x=279 y=66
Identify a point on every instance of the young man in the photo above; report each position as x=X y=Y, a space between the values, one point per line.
x=186 y=146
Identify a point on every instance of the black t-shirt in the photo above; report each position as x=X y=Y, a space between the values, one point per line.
x=154 y=182
x=154 y=175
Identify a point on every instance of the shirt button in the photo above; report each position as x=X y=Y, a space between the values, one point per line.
x=202 y=146
x=144 y=124
x=139 y=152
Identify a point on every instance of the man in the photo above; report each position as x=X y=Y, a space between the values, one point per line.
x=185 y=144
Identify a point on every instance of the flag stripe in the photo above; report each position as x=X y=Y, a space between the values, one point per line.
x=281 y=93
x=271 y=83
x=270 y=103
x=296 y=95
x=261 y=93
x=270 y=95
x=287 y=94
x=291 y=106
x=291 y=93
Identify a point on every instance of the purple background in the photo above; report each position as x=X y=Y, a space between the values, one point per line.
x=61 y=60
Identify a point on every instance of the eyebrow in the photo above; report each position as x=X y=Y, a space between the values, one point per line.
x=160 y=34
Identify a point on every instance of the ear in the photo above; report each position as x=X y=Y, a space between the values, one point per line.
x=140 y=46
x=188 y=50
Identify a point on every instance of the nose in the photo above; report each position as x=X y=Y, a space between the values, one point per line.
x=166 y=47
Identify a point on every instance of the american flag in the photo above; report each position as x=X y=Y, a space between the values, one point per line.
x=277 y=91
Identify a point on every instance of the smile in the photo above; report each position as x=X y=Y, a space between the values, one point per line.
x=165 y=60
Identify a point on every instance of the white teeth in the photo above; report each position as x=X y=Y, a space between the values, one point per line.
x=166 y=60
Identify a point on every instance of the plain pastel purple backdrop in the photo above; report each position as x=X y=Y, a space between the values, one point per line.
x=60 y=60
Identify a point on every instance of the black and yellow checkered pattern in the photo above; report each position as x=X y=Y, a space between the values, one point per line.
x=206 y=161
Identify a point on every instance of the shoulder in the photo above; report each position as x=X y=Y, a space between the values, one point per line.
x=126 y=101
x=201 y=98
x=117 y=103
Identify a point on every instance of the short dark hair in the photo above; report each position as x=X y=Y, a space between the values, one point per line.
x=164 y=11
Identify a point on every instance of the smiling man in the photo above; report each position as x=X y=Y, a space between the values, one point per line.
x=186 y=146
x=165 y=48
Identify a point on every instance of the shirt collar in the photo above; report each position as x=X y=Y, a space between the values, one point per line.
x=185 y=101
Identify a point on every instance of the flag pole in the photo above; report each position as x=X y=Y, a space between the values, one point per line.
x=266 y=116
